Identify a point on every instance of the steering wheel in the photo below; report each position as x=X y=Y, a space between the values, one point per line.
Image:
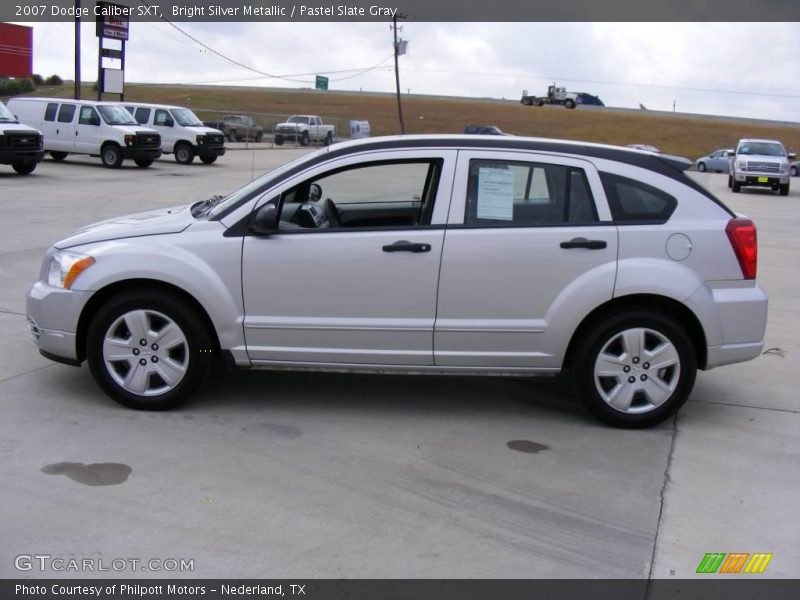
x=332 y=213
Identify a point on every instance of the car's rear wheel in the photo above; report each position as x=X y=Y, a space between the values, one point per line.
x=232 y=135
x=278 y=140
x=304 y=139
x=730 y=181
x=793 y=171
x=328 y=139
x=701 y=167
x=148 y=350
x=259 y=136
x=635 y=369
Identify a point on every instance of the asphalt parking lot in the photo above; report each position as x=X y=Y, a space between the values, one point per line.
x=328 y=475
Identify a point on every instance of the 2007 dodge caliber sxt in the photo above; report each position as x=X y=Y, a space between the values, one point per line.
x=441 y=254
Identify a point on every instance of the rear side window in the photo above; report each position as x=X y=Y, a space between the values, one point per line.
x=142 y=115
x=66 y=113
x=632 y=201
x=511 y=193
x=50 y=111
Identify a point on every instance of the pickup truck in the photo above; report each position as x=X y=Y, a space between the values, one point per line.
x=761 y=163
x=238 y=128
x=304 y=129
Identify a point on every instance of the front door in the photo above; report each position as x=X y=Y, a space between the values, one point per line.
x=87 y=131
x=350 y=277
x=525 y=231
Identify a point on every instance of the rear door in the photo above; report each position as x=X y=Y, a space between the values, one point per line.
x=529 y=247
x=49 y=125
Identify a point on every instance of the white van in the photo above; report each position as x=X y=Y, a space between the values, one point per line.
x=103 y=129
x=20 y=145
x=182 y=133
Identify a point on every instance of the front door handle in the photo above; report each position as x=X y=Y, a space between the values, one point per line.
x=580 y=242
x=406 y=246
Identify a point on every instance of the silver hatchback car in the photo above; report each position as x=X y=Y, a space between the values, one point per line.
x=420 y=254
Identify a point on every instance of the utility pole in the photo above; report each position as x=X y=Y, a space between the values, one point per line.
x=397 y=70
x=77 y=50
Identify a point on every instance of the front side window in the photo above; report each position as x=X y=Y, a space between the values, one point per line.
x=378 y=195
x=88 y=116
x=65 y=113
x=632 y=201
x=514 y=193
x=142 y=115
x=162 y=118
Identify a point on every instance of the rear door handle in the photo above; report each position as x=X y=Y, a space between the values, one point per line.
x=580 y=242
x=406 y=246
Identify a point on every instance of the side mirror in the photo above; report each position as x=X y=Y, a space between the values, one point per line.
x=169 y=123
x=792 y=155
x=730 y=153
x=265 y=220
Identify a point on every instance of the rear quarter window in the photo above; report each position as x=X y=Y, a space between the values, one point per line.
x=632 y=201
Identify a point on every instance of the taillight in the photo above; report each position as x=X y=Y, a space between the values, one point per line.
x=742 y=234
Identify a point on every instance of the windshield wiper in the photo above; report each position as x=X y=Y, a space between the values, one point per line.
x=202 y=208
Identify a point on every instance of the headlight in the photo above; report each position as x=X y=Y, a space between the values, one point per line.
x=201 y=139
x=129 y=139
x=741 y=165
x=65 y=267
x=785 y=168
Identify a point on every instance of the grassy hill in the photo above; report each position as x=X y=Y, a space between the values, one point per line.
x=690 y=137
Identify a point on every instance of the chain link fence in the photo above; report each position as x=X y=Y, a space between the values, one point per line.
x=258 y=130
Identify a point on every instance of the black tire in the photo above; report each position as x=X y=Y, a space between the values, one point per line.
x=793 y=171
x=603 y=332
x=304 y=139
x=701 y=167
x=538 y=102
x=730 y=181
x=569 y=103
x=208 y=160
x=111 y=155
x=278 y=140
x=259 y=136
x=198 y=349
x=143 y=163
x=232 y=136
x=58 y=156
x=24 y=168
x=328 y=139
x=784 y=190
x=736 y=187
x=526 y=101
x=184 y=154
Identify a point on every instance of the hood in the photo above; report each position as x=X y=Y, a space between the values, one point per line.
x=290 y=125
x=154 y=222
x=133 y=129
x=4 y=126
x=198 y=129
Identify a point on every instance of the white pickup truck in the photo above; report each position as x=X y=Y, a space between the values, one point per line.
x=304 y=129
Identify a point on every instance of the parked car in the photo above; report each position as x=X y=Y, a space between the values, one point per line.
x=716 y=161
x=304 y=129
x=437 y=254
x=20 y=145
x=103 y=129
x=645 y=147
x=182 y=133
x=484 y=130
x=760 y=163
x=238 y=128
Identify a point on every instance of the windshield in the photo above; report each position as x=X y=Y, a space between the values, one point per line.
x=256 y=184
x=185 y=117
x=5 y=115
x=303 y=120
x=116 y=115
x=762 y=148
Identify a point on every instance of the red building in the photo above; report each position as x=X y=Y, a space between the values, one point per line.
x=16 y=50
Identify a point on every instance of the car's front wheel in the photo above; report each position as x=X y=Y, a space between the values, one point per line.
x=148 y=350
x=635 y=369
x=701 y=167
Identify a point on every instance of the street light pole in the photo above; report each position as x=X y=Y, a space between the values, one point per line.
x=397 y=71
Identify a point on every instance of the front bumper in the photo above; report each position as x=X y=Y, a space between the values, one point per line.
x=203 y=151
x=132 y=152
x=765 y=180
x=53 y=315
x=25 y=157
